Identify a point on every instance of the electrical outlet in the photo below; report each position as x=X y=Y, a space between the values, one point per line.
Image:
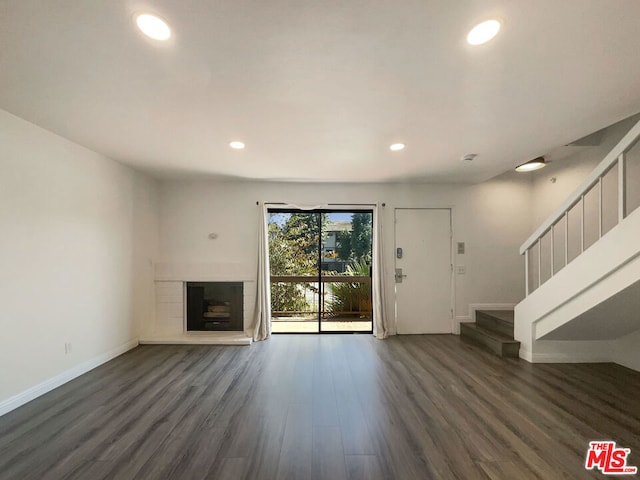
x=461 y=269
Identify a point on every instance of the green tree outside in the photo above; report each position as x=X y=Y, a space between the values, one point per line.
x=355 y=246
x=293 y=250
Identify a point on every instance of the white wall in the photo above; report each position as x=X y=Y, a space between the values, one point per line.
x=71 y=222
x=492 y=218
x=146 y=232
x=570 y=171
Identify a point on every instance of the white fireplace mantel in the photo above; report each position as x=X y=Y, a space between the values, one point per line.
x=169 y=319
x=204 y=272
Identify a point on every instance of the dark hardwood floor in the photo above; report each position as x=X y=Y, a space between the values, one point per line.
x=323 y=407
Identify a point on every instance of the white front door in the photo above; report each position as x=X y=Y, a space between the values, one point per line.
x=423 y=258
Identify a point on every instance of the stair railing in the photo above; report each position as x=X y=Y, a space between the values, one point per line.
x=615 y=159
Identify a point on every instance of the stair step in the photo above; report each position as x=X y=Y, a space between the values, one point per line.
x=499 y=321
x=500 y=344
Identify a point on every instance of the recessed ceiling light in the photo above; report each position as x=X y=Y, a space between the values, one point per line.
x=153 y=26
x=236 y=145
x=531 y=165
x=396 y=147
x=483 y=32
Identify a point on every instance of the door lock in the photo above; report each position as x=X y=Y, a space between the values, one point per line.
x=399 y=275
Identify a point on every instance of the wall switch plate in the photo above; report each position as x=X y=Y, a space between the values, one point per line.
x=460 y=248
x=67 y=348
x=461 y=269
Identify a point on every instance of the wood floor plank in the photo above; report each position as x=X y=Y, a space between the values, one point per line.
x=324 y=400
x=198 y=457
x=363 y=467
x=328 y=462
x=264 y=455
x=60 y=422
x=231 y=469
x=339 y=406
x=356 y=437
x=297 y=444
x=43 y=410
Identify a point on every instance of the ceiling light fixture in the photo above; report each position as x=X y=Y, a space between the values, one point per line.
x=153 y=26
x=483 y=32
x=236 y=145
x=531 y=165
x=397 y=147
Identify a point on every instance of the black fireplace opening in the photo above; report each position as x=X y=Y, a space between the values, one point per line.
x=214 y=306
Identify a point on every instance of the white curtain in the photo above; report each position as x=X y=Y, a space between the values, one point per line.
x=380 y=325
x=262 y=317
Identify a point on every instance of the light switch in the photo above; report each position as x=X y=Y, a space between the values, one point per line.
x=460 y=248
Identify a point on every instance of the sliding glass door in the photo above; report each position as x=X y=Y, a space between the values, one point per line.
x=320 y=264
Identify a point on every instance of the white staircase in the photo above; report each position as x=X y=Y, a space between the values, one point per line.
x=583 y=267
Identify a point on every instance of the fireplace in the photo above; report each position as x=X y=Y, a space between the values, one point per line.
x=214 y=306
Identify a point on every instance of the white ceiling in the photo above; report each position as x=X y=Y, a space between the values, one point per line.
x=318 y=90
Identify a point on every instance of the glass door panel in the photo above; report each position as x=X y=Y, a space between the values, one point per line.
x=346 y=272
x=294 y=238
x=320 y=265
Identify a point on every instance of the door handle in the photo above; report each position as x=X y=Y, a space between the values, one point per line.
x=399 y=275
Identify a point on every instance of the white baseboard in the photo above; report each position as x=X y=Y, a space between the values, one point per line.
x=562 y=357
x=458 y=320
x=36 y=391
x=526 y=355
x=567 y=358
